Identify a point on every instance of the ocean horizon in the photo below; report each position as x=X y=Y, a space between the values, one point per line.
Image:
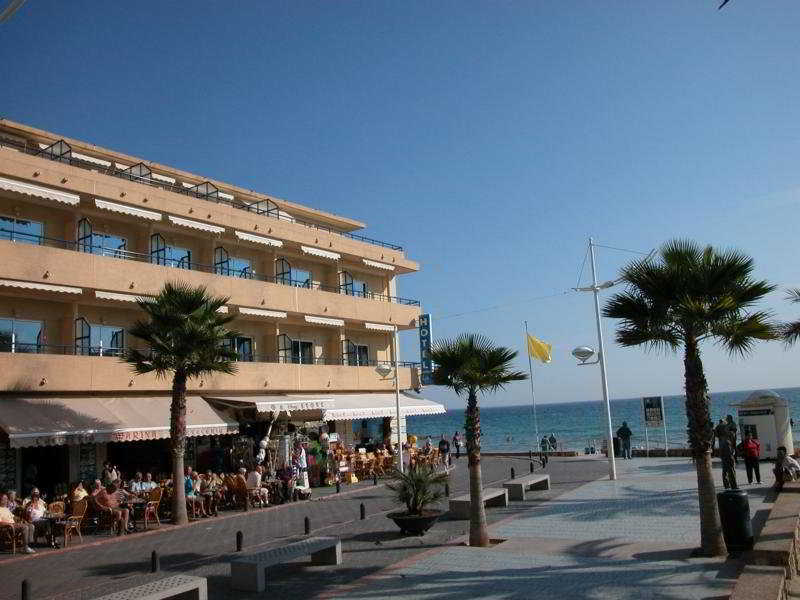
x=580 y=424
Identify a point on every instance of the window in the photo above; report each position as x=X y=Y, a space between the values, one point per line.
x=98 y=340
x=366 y=430
x=285 y=274
x=60 y=151
x=20 y=230
x=264 y=207
x=362 y=353
x=225 y=264
x=17 y=335
x=284 y=348
x=302 y=352
x=243 y=346
x=352 y=287
x=169 y=256
x=106 y=340
x=104 y=244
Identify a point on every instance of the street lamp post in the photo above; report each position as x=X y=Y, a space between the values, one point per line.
x=583 y=353
x=383 y=370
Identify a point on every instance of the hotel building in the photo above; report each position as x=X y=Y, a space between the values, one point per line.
x=84 y=231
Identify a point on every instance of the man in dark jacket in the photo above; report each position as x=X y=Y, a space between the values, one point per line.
x=728 y=466
x=624 y=434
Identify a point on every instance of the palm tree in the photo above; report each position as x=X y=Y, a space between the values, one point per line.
x=185 y=335
x=469 y=364
x=687 y=295
x=790 y=332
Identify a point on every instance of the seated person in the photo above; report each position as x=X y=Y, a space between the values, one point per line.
x=135 y=485
x=786 y=467
x=13 y=502
x=190 y=486
x=148 y=485
x=7 y=519
x=98 y=486
x=107 y=500
x=34 y=512
x=208 y=490
x=254 y=485
x=78 y=492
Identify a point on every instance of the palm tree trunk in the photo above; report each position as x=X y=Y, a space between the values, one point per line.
x=177 y=428
x=478 y=533
x=701 y=439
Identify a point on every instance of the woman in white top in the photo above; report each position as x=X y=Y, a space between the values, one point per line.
x=35 y=510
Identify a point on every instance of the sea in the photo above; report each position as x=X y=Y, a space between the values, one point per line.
x=578 y=425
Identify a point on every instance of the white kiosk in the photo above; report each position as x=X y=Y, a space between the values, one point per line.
x=765 y=415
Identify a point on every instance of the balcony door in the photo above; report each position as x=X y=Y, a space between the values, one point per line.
x=17 y=335
x=21 y=230
x=302 y=352
x=243 y=346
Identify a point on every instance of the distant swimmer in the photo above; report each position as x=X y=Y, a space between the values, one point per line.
x=509 y=438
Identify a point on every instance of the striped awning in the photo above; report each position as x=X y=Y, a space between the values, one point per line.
x=124 y=209
x=348 y=407
x=281 y=403
x=260 y=312
x=320 y=252
x=44 y=287
x=38 y=191
x=47 y=421
x=196 y=224
x=324 y=321
x=380 y=327
x=258 y=239
x=378 y=265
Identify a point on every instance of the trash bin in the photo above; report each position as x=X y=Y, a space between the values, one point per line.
x=734 y=512
x=616 y=447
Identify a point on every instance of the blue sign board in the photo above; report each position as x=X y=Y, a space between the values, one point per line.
x=426 y=370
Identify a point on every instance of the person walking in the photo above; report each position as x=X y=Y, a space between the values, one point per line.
x=444 y=450
x=733 y=432
x=728 y=466
x=624 y=434
x=751 y=450
x=552 y=440
x=457 y=444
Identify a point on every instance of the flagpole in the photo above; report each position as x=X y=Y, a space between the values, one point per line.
x=533 y=396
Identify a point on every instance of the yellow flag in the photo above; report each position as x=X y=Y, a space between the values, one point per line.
x=539 y=349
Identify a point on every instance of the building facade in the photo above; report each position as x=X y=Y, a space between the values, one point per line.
x=84 y=231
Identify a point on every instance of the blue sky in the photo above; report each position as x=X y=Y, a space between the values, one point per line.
x=491 y=139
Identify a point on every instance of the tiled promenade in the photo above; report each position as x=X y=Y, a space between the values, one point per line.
x=587 y=538
x=626 y=539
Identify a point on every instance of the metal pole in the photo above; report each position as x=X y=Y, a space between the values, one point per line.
x=664 y=419
x=533 y=396
x=612 y=466
x=397 y=401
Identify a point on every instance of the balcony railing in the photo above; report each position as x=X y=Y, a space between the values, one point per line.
x=39 y=240
x=73 y=350
x=190 y=192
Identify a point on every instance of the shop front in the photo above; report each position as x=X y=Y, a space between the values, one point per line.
x=50 y=442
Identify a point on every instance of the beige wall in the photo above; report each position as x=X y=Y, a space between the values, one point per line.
x=91 y=184
x=81 y=374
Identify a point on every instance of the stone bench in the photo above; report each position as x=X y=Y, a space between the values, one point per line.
x=179 y=587
x=777 y=543
x=518 y=486
x=459 y=507
x=757 y=582
x=249 y=572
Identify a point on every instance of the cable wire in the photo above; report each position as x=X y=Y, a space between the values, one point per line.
x=500 y=306
x=621 y=249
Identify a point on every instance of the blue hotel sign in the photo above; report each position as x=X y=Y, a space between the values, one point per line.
x=426 y=370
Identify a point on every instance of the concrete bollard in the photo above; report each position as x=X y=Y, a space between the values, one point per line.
x=363 y=512
x=338 y=487
x=512 y=472
x=374 y=479
x=26 y=590
x=307 y=525
x=447 y=490
x=239 y=541
x=155 y=564
x=532 y=467
x=449 y=460
x=530 y=454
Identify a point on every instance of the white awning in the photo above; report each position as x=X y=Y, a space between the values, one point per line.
x=196 y=224
x=348 y=407
x=320 y=252
x=122 y=167
x=45 y=287
x=88 y=420
x=91 y=159
x=260 y=312
x=224 y=195
x=127 y=210
x=38 y=191
x=268 y=404
x=324 y=321
x=258 y=239
x=119 y=297
x=378 y=265
x=163 y=178
x=380 y=326
x=223 y=309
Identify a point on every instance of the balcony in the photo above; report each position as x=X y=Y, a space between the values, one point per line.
x=40 y=372
x=62 y=262
x=205 y=191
